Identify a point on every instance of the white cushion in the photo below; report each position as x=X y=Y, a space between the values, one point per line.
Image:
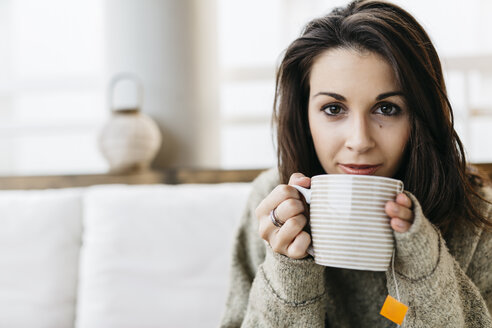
x=39 y=246
x=158 y=255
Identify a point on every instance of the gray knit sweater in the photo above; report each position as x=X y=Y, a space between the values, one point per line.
x=445 y=283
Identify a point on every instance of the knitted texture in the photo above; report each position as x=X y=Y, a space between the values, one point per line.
x=445 y=283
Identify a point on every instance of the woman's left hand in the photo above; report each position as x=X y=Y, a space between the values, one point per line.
x=400 y=212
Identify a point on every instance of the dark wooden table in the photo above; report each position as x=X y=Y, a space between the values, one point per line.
x=167 y=176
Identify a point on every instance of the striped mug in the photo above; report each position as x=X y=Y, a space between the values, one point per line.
x=349 y=227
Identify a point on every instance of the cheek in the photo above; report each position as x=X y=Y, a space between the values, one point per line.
x=398 y=142
x=314 y=129
x=318 y=131
x=325 y=141
x=317 y=135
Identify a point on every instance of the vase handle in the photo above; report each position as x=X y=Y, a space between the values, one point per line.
x=121 y=77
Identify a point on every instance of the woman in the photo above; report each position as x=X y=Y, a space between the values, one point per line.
x=361 y=91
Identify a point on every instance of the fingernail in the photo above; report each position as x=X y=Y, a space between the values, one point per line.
x=400 y=224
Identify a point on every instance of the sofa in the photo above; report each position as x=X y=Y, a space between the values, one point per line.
x=117 y=255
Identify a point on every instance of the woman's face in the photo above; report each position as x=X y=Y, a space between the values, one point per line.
x=358 y=116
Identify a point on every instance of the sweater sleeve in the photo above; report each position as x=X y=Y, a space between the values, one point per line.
x=286 y=293
x=267 y=289
x=432 y=283
x=480 y=269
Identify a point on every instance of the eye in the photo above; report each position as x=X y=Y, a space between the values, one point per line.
x=332 y=109
x=388 y=109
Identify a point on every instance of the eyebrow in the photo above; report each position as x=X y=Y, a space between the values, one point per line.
x=342 y=98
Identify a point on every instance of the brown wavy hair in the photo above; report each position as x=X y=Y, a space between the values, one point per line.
x=434 y=167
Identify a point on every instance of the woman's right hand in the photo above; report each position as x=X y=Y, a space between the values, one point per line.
x=290 y=239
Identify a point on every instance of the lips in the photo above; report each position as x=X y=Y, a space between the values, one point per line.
x=362 y=169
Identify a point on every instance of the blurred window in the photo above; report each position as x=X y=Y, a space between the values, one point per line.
x=51 y=95
x=52 y=87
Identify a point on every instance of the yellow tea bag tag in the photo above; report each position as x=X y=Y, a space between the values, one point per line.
x=394 y=310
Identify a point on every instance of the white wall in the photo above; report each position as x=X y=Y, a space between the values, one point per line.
x=171 y=45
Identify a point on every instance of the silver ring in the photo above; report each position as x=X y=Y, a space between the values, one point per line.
x=274 y=219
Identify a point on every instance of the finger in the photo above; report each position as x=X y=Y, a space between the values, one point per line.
x=283 y=237
x=393 y=209
x=291 y=228
x=266 y=228
x=273 y=200
x=298 y=248
x=288 y=209
x=404 y=200
x=400 y=225
x=300 y=180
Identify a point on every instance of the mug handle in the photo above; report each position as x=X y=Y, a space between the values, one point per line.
x=306 y=193
x=400 y=188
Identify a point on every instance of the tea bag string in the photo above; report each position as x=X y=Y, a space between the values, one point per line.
x=394 y=279
x=394 y=276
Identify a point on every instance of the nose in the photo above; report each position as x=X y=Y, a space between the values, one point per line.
x=359 y=137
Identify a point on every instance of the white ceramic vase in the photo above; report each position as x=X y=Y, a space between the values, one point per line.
x=130 y=139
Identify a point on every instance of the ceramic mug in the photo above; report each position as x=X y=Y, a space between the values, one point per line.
x=349 y=226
